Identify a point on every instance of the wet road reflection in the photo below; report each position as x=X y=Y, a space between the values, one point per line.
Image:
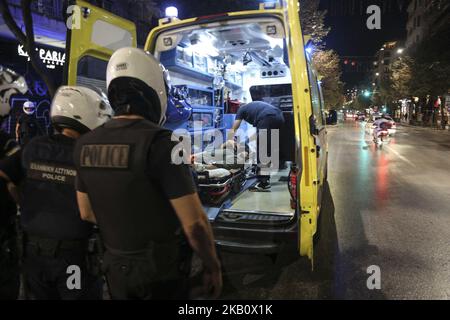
x=387 y=207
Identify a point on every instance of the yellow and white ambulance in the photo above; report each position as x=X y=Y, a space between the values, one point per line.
x=236 y=57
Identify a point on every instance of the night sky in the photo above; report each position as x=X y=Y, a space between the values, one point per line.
x=349 y=34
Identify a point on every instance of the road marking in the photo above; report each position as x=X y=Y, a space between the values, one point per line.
x=399 y=155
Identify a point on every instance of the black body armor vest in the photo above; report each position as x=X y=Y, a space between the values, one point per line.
x=49 y=207
x=130 y=208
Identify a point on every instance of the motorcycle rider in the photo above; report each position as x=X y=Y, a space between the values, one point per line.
x=11 y=83
x=380 y=125
x=9 y=261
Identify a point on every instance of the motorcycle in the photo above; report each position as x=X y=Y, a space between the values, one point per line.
x=382 y=137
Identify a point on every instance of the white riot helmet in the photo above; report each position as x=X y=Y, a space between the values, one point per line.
x=136 y=84
x=29 y=107
x=79 y=108
x=11 y=83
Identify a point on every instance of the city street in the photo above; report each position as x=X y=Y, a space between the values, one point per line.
x=387 y=207
x=127 y=125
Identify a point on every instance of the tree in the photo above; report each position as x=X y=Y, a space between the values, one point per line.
x=361 y=103
x=27 y=40
x=313 y=21
x=425 y=73
x=401 y=76
x=326 y=62
x=432 y=61
x=327 y=65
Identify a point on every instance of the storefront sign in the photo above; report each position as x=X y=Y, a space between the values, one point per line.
x=51 y=58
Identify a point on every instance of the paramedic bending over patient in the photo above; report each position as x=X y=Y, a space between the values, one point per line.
x=262 y=116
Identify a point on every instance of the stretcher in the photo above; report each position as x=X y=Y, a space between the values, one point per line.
x=220 y=180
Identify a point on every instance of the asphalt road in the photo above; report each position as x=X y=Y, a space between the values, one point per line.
x=388 y=208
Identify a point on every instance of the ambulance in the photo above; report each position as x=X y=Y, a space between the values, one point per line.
x=220 y=62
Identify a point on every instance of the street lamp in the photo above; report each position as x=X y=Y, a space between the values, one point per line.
x=400 y=51
x=377 y=74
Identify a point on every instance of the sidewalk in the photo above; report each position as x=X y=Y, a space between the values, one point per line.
x=432 y=129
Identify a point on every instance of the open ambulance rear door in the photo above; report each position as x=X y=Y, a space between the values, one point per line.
x=308 y=130
x=93 y=35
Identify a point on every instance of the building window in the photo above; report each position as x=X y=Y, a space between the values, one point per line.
x=418 y=21
x=417 y=38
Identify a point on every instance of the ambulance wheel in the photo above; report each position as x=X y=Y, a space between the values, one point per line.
x=325 y=239
x=287 y=255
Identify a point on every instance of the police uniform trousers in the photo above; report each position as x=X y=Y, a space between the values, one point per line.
x=145 y=276
x=9 y=269
x=49 y=275
x=9 y=256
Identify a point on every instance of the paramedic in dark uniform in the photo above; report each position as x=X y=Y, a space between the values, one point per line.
x=9 y=261
x=263 y=116
x=141 y=200
x=28 y=126
x=55 y=237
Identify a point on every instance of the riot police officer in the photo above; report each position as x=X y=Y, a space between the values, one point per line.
x=28 y=126
x=55 y=244
x=9 y=261
x=11 y=83
x=141 y=200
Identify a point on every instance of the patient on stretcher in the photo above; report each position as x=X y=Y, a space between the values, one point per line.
x=224 y=157
x=219 y=173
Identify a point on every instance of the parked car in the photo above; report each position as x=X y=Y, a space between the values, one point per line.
x=360 y=117
x=349 y=115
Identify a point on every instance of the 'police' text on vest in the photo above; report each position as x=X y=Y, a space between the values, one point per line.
x=111 y=156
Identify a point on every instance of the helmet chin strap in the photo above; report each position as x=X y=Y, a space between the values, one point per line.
x=163 y=120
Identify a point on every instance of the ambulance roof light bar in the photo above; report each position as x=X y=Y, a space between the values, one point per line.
x=269 y=4
x=171 y=15
x=171 y=12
